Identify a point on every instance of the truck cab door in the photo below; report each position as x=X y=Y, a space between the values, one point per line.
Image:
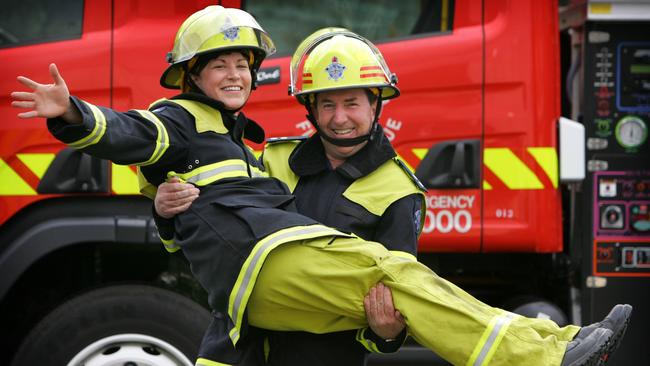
x=76 y=36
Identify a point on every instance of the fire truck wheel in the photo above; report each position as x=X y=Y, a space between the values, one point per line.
x=535 y=307
x=131 y=324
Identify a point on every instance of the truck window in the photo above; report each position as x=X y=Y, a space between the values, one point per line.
x=289 y=21
x=26 y=22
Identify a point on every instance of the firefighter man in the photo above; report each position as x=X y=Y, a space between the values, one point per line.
x=332 y=178
x=247 y=245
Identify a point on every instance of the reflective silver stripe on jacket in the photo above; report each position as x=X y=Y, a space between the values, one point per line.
x=162 y=141
x=97 y=132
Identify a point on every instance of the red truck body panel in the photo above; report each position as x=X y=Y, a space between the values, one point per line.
x=459 y=85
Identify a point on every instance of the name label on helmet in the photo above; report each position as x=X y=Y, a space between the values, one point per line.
x=268 y=75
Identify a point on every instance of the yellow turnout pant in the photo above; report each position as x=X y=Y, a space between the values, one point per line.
x=318 y=285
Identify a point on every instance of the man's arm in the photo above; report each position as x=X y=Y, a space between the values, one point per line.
x=398 y=231
x=172 y=198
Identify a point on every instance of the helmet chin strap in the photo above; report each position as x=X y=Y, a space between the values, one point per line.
x=351 y=141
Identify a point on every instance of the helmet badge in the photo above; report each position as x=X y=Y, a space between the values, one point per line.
x=335 y=69
x=230 y=32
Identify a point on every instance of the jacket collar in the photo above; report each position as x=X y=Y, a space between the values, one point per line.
x=309 y=157
x=239 y=126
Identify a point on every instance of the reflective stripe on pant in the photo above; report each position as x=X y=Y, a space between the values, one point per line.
x=316 y=287
x=206 y=362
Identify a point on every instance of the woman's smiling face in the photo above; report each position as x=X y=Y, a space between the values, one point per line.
x=226 y=78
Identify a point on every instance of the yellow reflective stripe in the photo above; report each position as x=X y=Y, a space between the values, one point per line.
x=124 y=180
x=401 y=254
x=243 y=287
x=487 y=185
x=147 y=189
x=367 y=343
x=97 y=132
x=170 y=245
x=12 y=184
x=205 y=362
x=546 y=157
x=210 y=173
x=162 y=141
x=490 y=340
x=257 y=173
x=510 y=169
x=37 y=163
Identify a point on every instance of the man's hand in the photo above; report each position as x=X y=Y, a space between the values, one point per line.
x=383 y=319
x=174 y=197
x=46 y=100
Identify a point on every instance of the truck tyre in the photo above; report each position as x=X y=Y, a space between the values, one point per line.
x=137 y=325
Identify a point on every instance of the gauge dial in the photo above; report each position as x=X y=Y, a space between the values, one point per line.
x=631 y=132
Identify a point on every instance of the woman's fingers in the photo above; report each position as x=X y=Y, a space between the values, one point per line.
x=23 y=104
x=23 y=96
x=56 y=76
x=30 y=114
x=28 y=82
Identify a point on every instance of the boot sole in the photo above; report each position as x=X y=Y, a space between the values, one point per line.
x=617 y=336
x=599 y=356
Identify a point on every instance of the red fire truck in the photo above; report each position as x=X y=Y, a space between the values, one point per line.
x=529 y=211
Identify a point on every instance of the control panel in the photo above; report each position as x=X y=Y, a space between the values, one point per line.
x=620 y=108
x=622 y=223
x=617 y=119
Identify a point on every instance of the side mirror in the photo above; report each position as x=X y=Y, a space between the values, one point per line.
x=451 y=164
x=75 y=172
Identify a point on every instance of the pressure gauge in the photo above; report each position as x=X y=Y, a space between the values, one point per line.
x=631 y=132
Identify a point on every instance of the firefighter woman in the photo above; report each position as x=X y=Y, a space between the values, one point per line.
x=334 y=177
x=246 y=244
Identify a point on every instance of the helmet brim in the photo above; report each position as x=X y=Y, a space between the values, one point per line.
x=387 y=91
x=171 y=77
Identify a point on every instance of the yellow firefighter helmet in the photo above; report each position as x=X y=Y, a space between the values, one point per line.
x=215 y=28
x=336 y=58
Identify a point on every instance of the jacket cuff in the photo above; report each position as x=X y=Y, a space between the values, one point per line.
x=374 y=343
x=84 y=134
x=166 y=231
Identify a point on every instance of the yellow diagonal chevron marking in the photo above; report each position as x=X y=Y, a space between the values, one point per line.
x=124 y=180
x=546 y=157
x=37 y=163
x=486 y=185
x=510 y=169
x=11 y=184
x=420 y=153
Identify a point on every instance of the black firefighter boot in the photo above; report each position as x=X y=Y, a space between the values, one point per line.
x=617 y=321
x=588 y=351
